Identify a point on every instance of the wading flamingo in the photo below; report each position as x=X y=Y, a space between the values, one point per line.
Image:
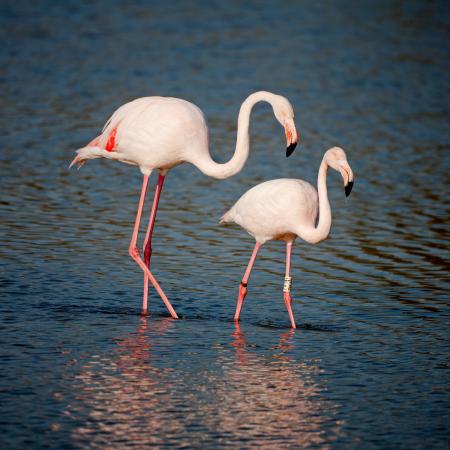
x=284 y=209
x=162 y=132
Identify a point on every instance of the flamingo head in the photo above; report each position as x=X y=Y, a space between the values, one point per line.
x=284 y=113
x=337 y=159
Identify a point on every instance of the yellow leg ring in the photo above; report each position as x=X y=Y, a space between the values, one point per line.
x=287 y=284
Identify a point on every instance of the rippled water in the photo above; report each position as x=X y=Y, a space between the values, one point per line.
x=368 y=366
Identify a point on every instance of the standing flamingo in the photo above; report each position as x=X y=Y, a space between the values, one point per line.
x=162 y=132
x=284 y=209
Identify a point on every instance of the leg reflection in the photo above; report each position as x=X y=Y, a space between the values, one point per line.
x=271 y=393
x=122 y=396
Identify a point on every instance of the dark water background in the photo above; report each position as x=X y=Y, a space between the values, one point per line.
x=367 y=368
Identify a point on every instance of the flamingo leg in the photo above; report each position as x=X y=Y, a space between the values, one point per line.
x=134 y=251
x=148 y=238
x=243 y=286
x=287 y=284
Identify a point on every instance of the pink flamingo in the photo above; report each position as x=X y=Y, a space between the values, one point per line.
x=284 y=209
x=162 y=132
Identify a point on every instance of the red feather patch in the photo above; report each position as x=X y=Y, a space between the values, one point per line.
x=111 y=143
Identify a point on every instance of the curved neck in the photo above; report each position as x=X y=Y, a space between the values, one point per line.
x=322 y=229
x=209 y=167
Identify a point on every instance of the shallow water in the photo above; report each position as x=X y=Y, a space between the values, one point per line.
x=367 y=367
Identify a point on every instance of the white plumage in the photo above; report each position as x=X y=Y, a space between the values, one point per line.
x=147 y=128
x=284 y=209
x=162 y=132
x=275 y=209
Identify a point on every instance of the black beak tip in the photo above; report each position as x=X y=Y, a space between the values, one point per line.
x=290 y=149
x=348 y=188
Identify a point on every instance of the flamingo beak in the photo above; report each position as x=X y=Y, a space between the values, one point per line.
x=347 y=175
x=291 y=138
x=290 y=149
x=348 y=188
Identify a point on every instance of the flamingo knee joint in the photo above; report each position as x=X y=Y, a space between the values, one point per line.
x=134 y=252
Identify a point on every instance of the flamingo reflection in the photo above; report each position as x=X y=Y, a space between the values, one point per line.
x=274 y=400
x=121 y=396
x=239 y=397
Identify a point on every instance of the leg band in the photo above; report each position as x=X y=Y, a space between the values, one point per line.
x=287 y=284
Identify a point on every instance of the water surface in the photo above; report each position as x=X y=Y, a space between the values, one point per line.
x=368 y=365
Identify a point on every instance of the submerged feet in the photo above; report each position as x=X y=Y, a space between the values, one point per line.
x=135 y=254
x=286 y=295
x=241 y=296
x=288 y=303
x=147 y=255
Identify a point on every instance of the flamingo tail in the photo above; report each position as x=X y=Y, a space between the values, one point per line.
x=227 y=217
x=92 y=152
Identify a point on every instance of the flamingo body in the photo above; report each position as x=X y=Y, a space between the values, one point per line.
x=163 y=132
x=276 y=209
x=284 y=209
x=152 y=133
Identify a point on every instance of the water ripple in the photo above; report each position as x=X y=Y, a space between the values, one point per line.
x=368 y=365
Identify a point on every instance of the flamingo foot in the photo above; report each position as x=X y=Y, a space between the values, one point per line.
x=145 y=295
x=136 y=255
x=241 y=296
x=288 y=303
x=147 y=256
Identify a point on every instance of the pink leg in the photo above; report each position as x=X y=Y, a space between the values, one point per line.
x=134 y=251
x=287 y=284
x=148 y=238
x=243 y=285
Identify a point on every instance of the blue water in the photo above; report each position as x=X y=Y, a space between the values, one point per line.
x=368 y=366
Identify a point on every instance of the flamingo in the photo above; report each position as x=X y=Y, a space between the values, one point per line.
x=284 y=209
x=163 y=132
